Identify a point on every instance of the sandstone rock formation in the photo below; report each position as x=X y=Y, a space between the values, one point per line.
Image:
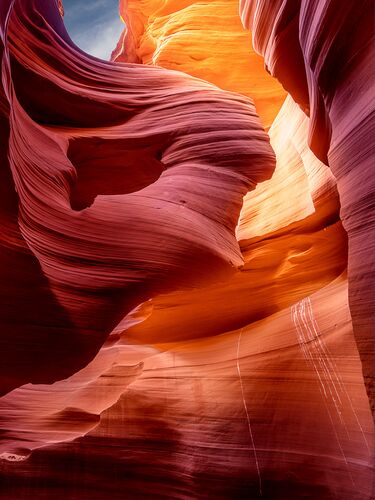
x=156 y=342
x=323 y=53
x=90 y=236
x=204 y=39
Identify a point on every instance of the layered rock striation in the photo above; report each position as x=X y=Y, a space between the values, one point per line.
x=88 y=234
x=202 y=38
x=168 y=330
x=323 y=53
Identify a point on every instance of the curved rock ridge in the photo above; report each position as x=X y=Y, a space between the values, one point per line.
x=216 y=417
x=236 y=373
x=283 y=268
x=323 y=53
x=90 y=234
x=202 y=38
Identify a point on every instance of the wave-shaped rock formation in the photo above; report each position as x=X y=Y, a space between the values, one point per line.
x=169 y=328
x=204 y=39
x=323 y=53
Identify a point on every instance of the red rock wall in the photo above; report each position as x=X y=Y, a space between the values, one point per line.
x=156 y=342
x=82 y=240
x=323 y=54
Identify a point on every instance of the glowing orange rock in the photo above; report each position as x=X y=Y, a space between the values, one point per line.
x=302 y=188
x=202 y=38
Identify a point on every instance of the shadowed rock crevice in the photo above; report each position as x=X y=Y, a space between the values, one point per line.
x=110 y=167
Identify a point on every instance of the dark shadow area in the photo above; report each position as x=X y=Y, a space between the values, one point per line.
x=110 y=167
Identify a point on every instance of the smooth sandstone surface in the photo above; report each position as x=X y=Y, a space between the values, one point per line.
x=90 y=236
x=275 y=408
x=323 y=53
x=158 y=340
x=203 y=38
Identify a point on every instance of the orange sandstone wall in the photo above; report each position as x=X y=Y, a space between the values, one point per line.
x=203 y=38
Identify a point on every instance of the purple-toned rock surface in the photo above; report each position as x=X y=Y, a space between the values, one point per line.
x=168 y=328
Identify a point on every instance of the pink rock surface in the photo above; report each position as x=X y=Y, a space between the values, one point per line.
x=277 y=408
x=89 y=234
x=323 y=53
x=168 y=329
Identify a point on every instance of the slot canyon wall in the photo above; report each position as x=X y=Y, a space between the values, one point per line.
x=187 y=253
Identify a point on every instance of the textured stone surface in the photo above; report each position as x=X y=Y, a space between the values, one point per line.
x=203 y=38
x=156 y=340
x=323 y=53
x=275 y=408
x=94 y=235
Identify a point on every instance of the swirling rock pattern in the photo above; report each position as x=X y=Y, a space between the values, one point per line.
x=323 y=53
x=89 y=234
x=202 y=38
x=196 y=351
x=217 y=417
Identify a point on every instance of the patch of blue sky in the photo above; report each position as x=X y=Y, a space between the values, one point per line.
x=94 y=25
